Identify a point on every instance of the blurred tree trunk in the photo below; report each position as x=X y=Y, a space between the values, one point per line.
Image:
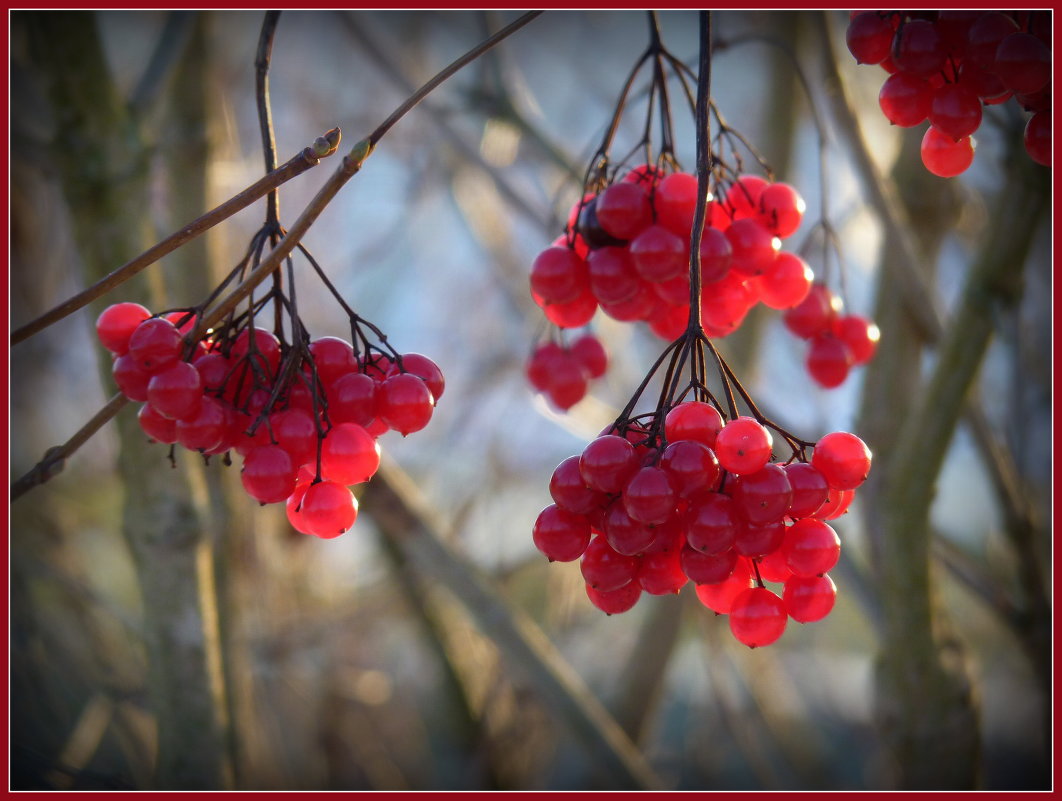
x=102 y=162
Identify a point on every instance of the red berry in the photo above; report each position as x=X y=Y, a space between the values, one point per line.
x=985 y=35
x=327 y=510
x=955 y=110
x=572 y=314
x=268 y=474
x=772 y=566
x=660 y=572
x=608 y=463
x=809 y=489
x=567 y=381
x=1038 y=138
x=763 y=496
x=616 y=601
x=176 y=392
x=626 y=535
x=811 y=547
x=591 y=355
x=712 y=522
x=158 y=428
x=658 y=254
x=116 y=324
x=605 y=569
x=809 y=598
x=919 y=49
x=405 y=403
x=716 y=254
x=836 y=505
x=815 y=314
x=649 y=496
x=757 y=617
x=613 y=278
x=743 y=446
x=944 y=156
x=786 y=281
x=843 y=459
x=719 y=597
x=781 y=209
x=561 y=535
x=743 y=197
x=207 y=429
x=869 y=37
x=558 y=275
x=675 y=201
x=692 y=467
x=352 y=399
x=694 y=420
x=860 y=335
x=332 y=357
x=349 y=454
x=623 y=210
x=570 y=492
x=757 y=540
x=752 y=246
x=829 y=360
x=130 y=378
x=705 y=568
x=263 y=351
x=424 y=368
x=155 y=345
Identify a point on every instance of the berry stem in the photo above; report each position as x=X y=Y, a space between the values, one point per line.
x=265 y=114
x=704 y=170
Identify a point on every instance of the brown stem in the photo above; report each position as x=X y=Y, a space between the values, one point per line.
x=309 y=157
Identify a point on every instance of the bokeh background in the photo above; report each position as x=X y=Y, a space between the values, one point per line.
x=168 y=632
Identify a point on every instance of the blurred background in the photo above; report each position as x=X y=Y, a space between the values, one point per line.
x=166 y=631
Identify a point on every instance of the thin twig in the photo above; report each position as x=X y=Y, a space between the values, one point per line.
x=309 y=157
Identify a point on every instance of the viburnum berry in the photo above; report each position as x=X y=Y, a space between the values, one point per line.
x=405 y=403
x=613 y=277
x=716 y=254
x=607 y=463
x=809 y=598
x=349 y=454
x=332 y=357
x=942 y=155
x=591 y=355
x=616 y=601
x=815 y=314
x=158 y=428
x=786 y=281
x=155 y=345
x=772 y=566
x=626 y=535
x=561 y=535
x=955 y=110
x=694 y=420
x=809 y=489
x=268 y=474
x=869 y=37
x=811 y=547
x=604 y=568
x=743 y=446
x=860 y=335
x=176 y=392
x=649 y=496
x=675 y=202
x=116 y=324
x=263 y=350
x=781 y=209
x=328 y=509
x=206 y=429
x=764 y=496
x=752 y=246
x=692 y=467
x=660 y=572
x=1023 y=63
x=720 y=597
x=828 y=360
x=352 y=399
x=558 y=275
x=658 y=254
x=712 y=522
x=570 y=492
x=130 y=378
x=757 y=617
x=918 y=48
x=836 y=505
x=985 y=35
x=905 y=99
x=1038 y=138
x=623 y=210
x=743 y=197
x=707 y=568
x=843 y=459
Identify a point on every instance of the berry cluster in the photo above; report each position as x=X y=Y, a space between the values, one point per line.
x=563 y=373
x=703 y=502
x=627 y=250
x=695 y=491
x=836 y=342
x=305 y=418
x=947 y=65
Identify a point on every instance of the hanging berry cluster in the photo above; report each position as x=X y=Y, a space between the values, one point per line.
x=626 y=245
x=693 y=491
x=303 y=413
x=947 y=65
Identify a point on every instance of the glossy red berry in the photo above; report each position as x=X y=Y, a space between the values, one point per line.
x=328 y=509
x=752 y=246
x=693 y=420
x=944 y=156
x=658 y=254
x=605 y=569
x=591 y=354
x=763 y=496
x=705 y=568
x=743 y=197
x=869 y=37
x=828 y=360
x=332 y=357
x=836 y=505
x=623 y=210
x=650 y=496
x=558 y=275
x=860 y=335
x=660 y=572
x=813 y=315
x=130 y=378
x=613 y=278
x=809 y=598
x=352 y=399
x=955 y=110
x=692 y=467
x=268 y=474
x=1023 y=63
x=405 y=403
x=155 y=345
x=716 y=255
x=616 y=601
x=158 y=428
x=349 y=454
x=905 y=99
x=206 y=429
x=758 y=540
x=781 y=209
x=985 y=35
x=843 y=459
x=561 y=535
x=626 y=535
x=712 y=522
x=1038 y=138
x=743 y=446
x=608 y=463
x=811 y=547
x=263 y=351
x=176 y=392
x=810 y=489
x=570 y=492
x=786 y=281
x=919 y=49
x=116 y=325
x=720 y=597
x=757 y=617
x=675 y=201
